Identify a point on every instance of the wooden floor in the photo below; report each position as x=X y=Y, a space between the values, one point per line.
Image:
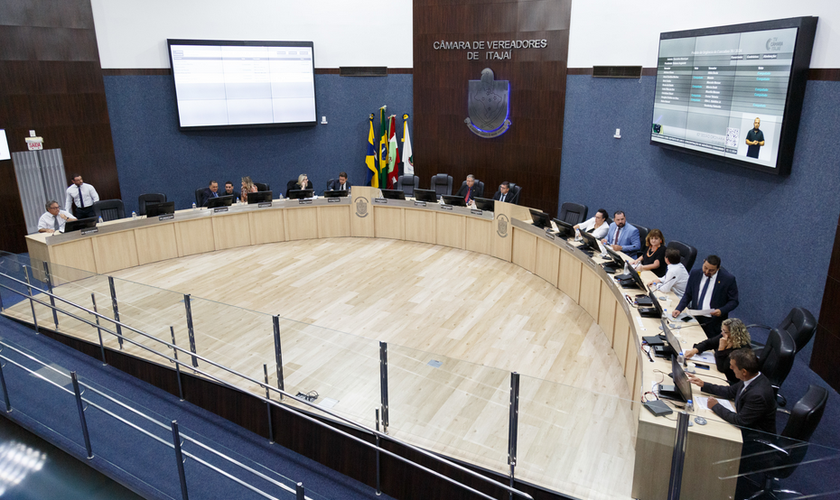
x=479 y=317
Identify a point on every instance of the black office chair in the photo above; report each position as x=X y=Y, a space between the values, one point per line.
x=441 y=184
x=478 y=187
x=643 y=232
x=779 y=456
x=330 y=184
x=109 y=209
x=688 y=254
x=262 y=187
x=198 y=194
x=408 y=183
x=143 y=199
x=775 y=359
x=573 y=213
x=799 y=323
x=515 y=192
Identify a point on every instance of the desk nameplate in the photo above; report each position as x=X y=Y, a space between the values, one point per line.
x=333 y=200
x=267 y=204
x=419 y=203
x=218 y=210
x=166 y=217
x=92 y=230
x=475 y=211
x=446 y=207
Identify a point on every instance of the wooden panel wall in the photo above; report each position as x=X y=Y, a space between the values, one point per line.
x=827 y=341
x=527 y=154
x=51 y=81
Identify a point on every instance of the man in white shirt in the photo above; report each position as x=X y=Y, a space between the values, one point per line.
x=676 y=278
x=83 y=196
x=53 y=220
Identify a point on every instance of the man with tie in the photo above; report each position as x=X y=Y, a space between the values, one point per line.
x=504 y=194
x=209 y=192
x=623 y=237
x=82 y=196
x=467 y=191
x=342 y=183
x=710 y=288
x=53 y=220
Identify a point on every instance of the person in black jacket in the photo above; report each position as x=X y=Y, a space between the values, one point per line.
x=733 y=335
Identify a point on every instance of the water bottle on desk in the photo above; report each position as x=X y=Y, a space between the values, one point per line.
x=193 y=206
x=681 y=358
x=134 y=215
x=100 y=221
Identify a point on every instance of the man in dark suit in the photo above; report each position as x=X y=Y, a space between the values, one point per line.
x=504 y=194
x=710 y=288
x=229 y=191
x=342 y=183
x=212 y=191
x=467 y=191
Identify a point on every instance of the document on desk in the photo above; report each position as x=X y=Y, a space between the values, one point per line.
x=707 y=357
x=699 y=312
x=703 y=401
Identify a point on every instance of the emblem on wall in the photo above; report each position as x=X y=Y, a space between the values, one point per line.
x=488 y=105
x=502 y=223
x=362 y=207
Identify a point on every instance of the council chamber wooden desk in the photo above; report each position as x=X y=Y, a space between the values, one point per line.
x=505 y=233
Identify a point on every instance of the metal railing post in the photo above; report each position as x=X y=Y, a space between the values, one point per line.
x=176 y=440
x=31 y=299
x=513 y=425
x=177 y=364
x=278 y=354
x=190 y=331
x=299 y=492
x=50 y=288
x=383 y=384
x=5 y=391
x=115 y=306
x=678 y=458
x=98 y=330
x=81 y=407
x=378 y=469
x=268 y=406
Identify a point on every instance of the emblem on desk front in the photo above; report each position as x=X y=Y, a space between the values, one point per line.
x=502 y=224
x=488 y=105
x=362 y=207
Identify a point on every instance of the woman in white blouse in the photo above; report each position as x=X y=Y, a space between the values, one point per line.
x=597 y=226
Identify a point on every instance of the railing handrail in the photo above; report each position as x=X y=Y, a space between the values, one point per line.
x=271 y=388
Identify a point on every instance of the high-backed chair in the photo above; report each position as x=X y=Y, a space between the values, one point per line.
x=109 y=209
x=478 y=186
x=441 y=184
x=408 y=183
x=688 y=254
x=515 y=191
x=573 y=213
x=799 y=323
x=777 y=457
x=643 y=232
x=262 y=187
x=775 y=359
x=330 y=184
x=198 y=193
x=148 y=198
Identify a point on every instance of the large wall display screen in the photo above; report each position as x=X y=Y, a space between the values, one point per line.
x=734 y=92
x=226 y=84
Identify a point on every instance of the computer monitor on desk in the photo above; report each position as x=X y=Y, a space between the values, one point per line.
x=221 y=201
x=617 y=261
x=540 y=219
x=455 y=201
x=393 y=194
x=77 y=225
x=336 y=193
x=486 y=204
x=631 y=279
x=427 y=195
x=158 y=209
x=590 y=244
x=672 y=344
x=681 y=390
x=294 y=194
x=655 y=309
x=564 y=229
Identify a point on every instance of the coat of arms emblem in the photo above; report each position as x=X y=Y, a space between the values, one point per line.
x=488 y=105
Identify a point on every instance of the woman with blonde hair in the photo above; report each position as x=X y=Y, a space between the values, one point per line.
x=733 y=336
x=248 y=186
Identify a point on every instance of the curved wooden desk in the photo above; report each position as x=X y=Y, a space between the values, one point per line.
x=506 y=234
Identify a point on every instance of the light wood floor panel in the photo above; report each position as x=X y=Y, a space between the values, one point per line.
x=479 y=316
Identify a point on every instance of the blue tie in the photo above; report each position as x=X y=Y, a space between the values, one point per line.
x=703 y=293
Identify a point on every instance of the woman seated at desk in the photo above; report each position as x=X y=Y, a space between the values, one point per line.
x=248 y=186
x=733 y=335
x=653 y=255
x=303 y=182
x=597 y=226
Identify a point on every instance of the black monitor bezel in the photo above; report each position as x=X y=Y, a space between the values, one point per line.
x=336 y=193
x=79 y=224
x=485 y=204
x=453 y=200
x=154 y=209
x=261 y=197
x=564 y=229
x=221 y=201
x=681 y=382
x=393 y=194
x=590 y=241
x=545 y=219
x=430 y=195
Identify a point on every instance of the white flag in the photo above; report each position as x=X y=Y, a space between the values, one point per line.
x=407 y=158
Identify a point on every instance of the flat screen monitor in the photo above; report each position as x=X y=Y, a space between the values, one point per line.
x=617 y=260
x=221 y=201
x=77 y=225
x=635 y=276
x=540 y=219
x=564 y=229
x=456 y=201
x=681 y=383
x=590 y=242
x=336 y=193
x=486 y=204
x=237 y=83
x=658 y=307
x=670 y=338
x=265 y=196
x=734 y=93
x=158 y=209
x=393 y=194
x=427 y=195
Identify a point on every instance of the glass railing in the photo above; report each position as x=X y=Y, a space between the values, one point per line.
x=134 y=441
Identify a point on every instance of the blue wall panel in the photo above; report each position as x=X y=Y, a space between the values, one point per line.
x=154 y=156
x=774 y=233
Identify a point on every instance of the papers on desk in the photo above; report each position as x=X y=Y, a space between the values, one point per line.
x=700 y=312
x=707 y=357
x=703 y=401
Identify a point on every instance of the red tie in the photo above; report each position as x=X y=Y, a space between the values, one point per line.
x=617 y=230
x=467 y=197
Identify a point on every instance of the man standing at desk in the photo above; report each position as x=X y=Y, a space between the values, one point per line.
x=83 y=196
x=710 y=289
x=53 y=219
x=467 y=191
x=623 y=237
x=212 y=191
